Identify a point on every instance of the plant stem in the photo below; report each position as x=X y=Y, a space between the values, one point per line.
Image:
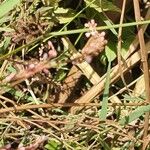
x=52 y=34
x=145 y=67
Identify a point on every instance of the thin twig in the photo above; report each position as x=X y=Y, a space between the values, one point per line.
x=55 y=105
x=12 y=113
x=93 y=126
x=119 y=56
x=88 y=97
x=29 y=72
x=48 y=131
x=145 y=67
x=52 y=34
x=35 y=100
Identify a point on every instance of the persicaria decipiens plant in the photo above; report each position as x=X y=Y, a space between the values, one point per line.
x=52 y=53
x=93 y=47
x=95 y=44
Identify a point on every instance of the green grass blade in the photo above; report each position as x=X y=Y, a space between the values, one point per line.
x=52 y=34
x=7 y=5
x=6 y=29
x=103 y=112
x=135 y=114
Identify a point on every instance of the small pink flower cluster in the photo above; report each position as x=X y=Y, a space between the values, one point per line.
x=96 y=43
x=52 y=53
x=92 y=27
x=44 y=56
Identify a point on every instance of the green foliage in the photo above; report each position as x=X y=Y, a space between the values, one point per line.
x=135 y=114
x=64 y=15
x=110 y=51
x=4 y=45
x=103 y=112
x=61 y=74
x=53 y=145
x=127 y=38
x=102 y=5
x=7 y=6
x=11 y=69
x=24 y=27
x=98 y=11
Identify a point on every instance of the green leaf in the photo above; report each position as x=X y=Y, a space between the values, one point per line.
x=5 y=19
x=109 y=51
x=7 y=6
x=64 y=15
x=107 y=6
x=95 y=5
x=2 y=143
x=4 y=44
x=7 y=41
x=101 y=6
x=103 y=112
x=61 y=10
x=52 y=145
x=61 y=74
x=135 y=114
x=19 y=94
x=11 y=69
x=128 y=36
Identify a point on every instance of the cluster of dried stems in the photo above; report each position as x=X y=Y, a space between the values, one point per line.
x=93 y=47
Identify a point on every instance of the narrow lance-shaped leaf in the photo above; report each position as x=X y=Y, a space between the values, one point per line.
x=7 y=6
x=135 y=114
x=103 y=112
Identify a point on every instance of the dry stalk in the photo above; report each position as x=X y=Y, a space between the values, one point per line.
x=56 y=105
x=75 y=73
x=96 y=44
x=124 y=88
x=119 y=56
x=11 y=113
x=135 y=43
x=144 y=55
x=93 y=125
x=48 y=131
x=43 y=119
x=29 y=72
x=97 y=89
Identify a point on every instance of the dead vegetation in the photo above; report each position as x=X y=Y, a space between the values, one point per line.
x=62 y=89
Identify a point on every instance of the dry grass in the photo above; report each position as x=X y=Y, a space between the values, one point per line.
x=56 y=102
